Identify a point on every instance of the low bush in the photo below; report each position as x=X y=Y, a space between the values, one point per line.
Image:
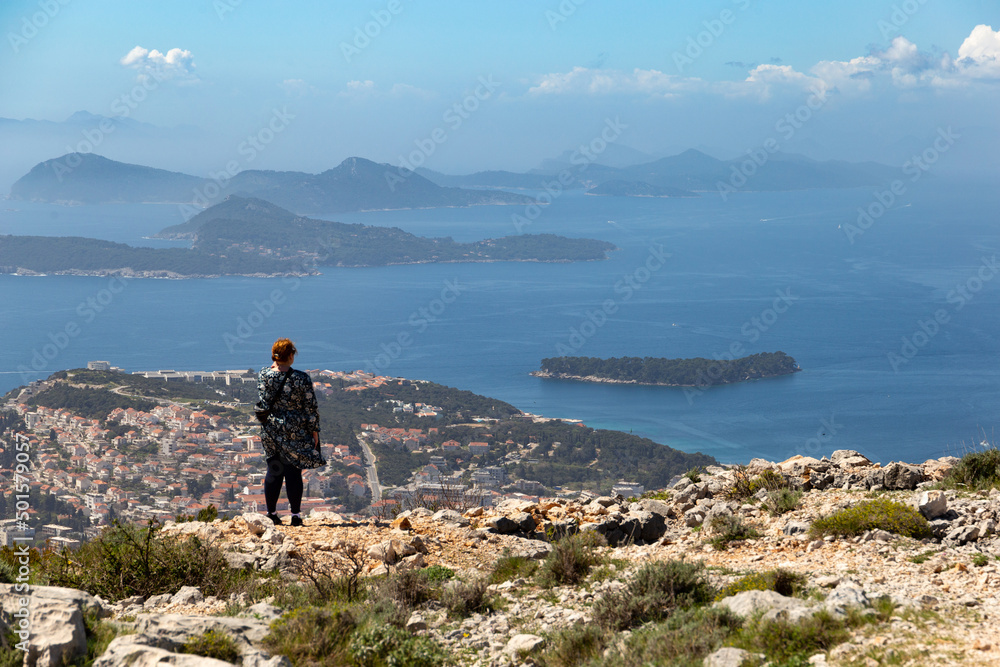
x=683 y=639
x=786 y=642
x=976 y=470
x=782 y=501
x=212 y=644
x=385 y=645
x=694 y=474
x=575 y=645
x=728 y=528
x=875 y=514
x=463 y=598
x=510 y=567
x=128 y=560
x=316 y=636
x=745 y=486
x=654 y=592
x=780 y=581
x=571 y=559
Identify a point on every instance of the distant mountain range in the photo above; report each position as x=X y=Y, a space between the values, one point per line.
x=361 y=185
x=354 y=185
x=690 y=171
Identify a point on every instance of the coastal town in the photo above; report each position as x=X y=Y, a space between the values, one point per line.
x=180 y=458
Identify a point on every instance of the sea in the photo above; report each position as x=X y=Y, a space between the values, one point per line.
x=889 y=307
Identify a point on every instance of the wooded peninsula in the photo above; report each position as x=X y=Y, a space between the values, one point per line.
x=697 y=372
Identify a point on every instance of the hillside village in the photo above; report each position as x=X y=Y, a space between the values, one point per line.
x=179 y=458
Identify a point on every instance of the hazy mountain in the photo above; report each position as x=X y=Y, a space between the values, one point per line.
x=356 y=184
x=691 y=170
x=79 y=178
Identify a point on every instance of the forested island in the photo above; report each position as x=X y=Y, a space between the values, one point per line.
x=697 y=372
x=252 y=237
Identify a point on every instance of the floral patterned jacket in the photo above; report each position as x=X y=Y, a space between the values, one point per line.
x=288 y=432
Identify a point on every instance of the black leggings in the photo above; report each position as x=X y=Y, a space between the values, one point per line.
x=292 y=477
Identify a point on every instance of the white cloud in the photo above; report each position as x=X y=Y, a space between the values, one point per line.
x=586 y=81
x=175 y=64
x=367 y=88
x=979 y=54
x=900 y=66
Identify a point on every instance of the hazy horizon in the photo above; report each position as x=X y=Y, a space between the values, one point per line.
x=463 y=88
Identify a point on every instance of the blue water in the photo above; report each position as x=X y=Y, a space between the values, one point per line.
x=848 y=306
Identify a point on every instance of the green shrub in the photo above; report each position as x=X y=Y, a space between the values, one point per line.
x=694 y=474
x=386 y=645
x=8 y=572
x=436 y=573
x=782 y=581
x=745 y=486
x=571 y=559
x=683 y=639
x=212 y=644
x=924 y=556
x=662 y=494
x=654 y=592
x=875 y=514
x=510 y=567
x=976 y=470
x=313 y=636
x=128 y=560
x=979 y=560
x=462 y=598
x=792 y=643
x=574 y=646
x=728 y=528
x=407 y=588
x=781 y=501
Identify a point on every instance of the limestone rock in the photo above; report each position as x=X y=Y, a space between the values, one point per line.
x=126 y=651
x=932 y=504
x=902 y=476
x=775 y=606
x=523 y=644
x=450 y=516
x=187 y=595
x=732 y=657
x=848 y=458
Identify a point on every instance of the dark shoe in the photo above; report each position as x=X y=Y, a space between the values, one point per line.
x=296 y=521
x=275 y=519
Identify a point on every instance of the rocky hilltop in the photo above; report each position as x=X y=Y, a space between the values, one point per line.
x=878 y=595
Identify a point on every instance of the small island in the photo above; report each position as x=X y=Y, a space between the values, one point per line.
x=697 y=372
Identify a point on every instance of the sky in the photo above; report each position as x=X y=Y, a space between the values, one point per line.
x=465 y=86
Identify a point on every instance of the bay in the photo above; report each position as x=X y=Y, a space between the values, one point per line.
x=732 y=266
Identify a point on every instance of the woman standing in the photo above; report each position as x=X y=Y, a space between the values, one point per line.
x=290 y=431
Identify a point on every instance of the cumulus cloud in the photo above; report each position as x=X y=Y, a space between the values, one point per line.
x=902 y=65
x=177 y=64
x=979 y=54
